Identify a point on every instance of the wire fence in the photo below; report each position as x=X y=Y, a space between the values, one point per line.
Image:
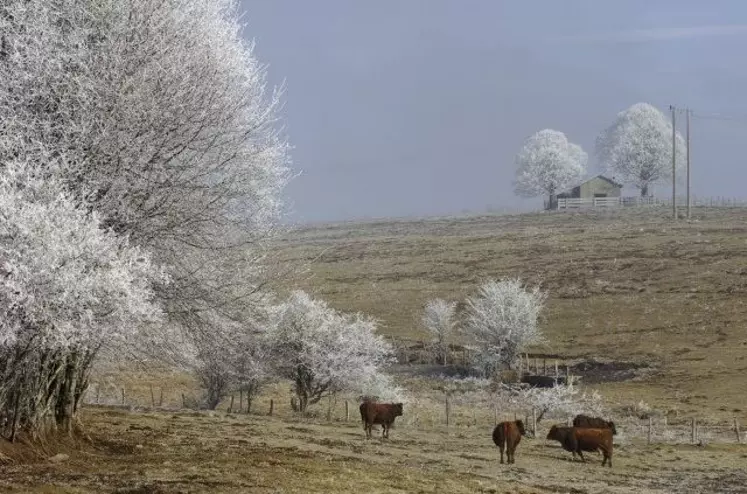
x=428 y=410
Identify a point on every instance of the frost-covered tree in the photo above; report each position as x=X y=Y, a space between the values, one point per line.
x=322 y=351
x=548 y=164
x=563 y=400
x=637 y=147
x=501 y=321
x=439 y=319
x=169 y=132
x=67 y=288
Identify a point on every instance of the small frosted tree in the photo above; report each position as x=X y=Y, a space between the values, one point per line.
x=322 y=351
x=439 y=319
x=548 y=164
x=501 y=322
x=637 y=147
x=562 y=400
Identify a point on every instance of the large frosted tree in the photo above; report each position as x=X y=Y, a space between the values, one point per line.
x=169 y=131
x=637 y=147
x=548 y=164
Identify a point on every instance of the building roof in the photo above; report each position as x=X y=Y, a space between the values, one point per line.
x=606 y=179
x=597 y=176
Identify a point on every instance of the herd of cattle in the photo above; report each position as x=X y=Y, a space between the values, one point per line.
x=587 y=433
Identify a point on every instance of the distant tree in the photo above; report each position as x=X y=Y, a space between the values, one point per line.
x=547 y=164
x=322 y=351
x=439 y=319
x=502 y=321
x=637 y=147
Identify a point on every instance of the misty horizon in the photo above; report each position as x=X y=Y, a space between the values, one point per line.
x=417 y=109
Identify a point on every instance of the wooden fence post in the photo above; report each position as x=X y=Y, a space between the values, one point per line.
x=230 y=406
x=650 y=426
x=544 y=366
x=495 y=415
x=329 y=408
x=98 y=389
x=347 y=412
x=184 y=401
x=570 y=421
x=534 y=422
x=556 y=370
x=272 y=405
x=123 y=395
x=241 y=400
x=152 y=397
x=736 y=430
x=446 y=404
x=160 y=397
x=692 y=430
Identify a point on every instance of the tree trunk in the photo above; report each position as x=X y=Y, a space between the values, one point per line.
x=644 y=191
x=553 y=198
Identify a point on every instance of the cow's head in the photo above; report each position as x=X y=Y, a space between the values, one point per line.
x=554 y=433
x=520 y=426
x=397 y=409
x=611 y=425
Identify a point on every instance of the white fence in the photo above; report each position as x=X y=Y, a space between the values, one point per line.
x=607 y=202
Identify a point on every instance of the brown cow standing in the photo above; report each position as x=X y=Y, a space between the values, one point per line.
x=508 y=435
x=379 y=413
x=588 y=422
x=578 y=439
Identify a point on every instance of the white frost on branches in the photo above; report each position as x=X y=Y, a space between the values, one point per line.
x=637 y=147
x=439 y=319
x=67 y=289
x=322 y=351
x=66 y=283
x=502 y=321
x=561 y=400
x=170 y=131
x=548 y=164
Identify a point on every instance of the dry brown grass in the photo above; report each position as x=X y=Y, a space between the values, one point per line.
x=627 y=285
x=160 y=452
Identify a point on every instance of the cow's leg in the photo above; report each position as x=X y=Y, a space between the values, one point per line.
x=510 y=454
x=500 y=447
x=582 y=456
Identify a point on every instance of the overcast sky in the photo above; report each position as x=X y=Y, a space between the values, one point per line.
x=418 y=107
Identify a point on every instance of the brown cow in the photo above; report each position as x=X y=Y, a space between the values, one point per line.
x=588 y=422
x=379 y=413
x=577 y=439
x=508 y=435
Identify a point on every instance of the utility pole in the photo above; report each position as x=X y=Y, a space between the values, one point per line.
x=688 y=163
x=674 y=164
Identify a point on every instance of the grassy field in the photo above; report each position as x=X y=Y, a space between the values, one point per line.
x=159 y=452
x=626 y=286
x=629 y=288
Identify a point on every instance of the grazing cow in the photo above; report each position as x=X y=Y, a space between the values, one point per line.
x=577 y=439
x=508 y=435
x=379 y=413
x=587 y=422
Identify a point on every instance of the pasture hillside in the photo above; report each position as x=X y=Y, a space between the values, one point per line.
x=625 y=287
